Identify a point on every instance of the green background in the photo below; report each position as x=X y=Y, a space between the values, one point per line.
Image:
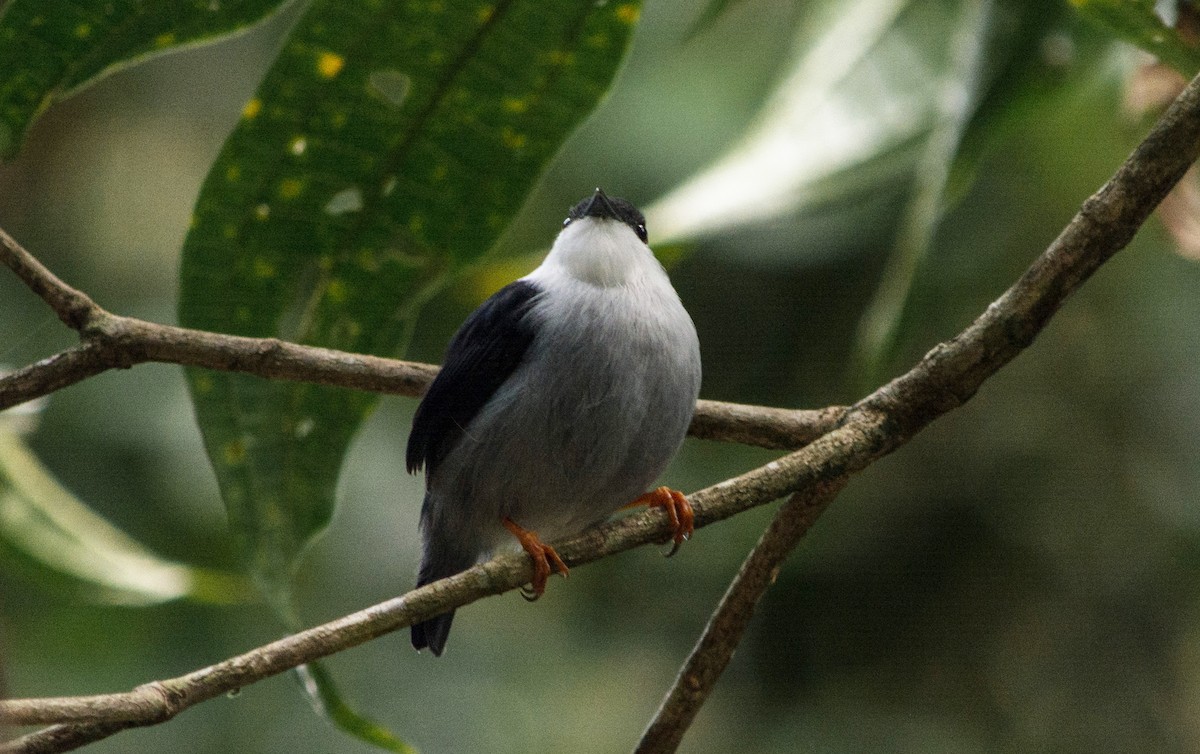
x=1023 y=576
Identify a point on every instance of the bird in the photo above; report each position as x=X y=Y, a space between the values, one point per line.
x=559 y=401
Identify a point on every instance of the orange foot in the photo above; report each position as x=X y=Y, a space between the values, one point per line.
x=542 y=555
x=679 y=511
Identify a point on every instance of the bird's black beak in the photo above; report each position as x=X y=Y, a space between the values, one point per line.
x=599 y=206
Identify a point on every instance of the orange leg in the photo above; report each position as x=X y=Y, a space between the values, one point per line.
x=543 y=557
x=678 y=509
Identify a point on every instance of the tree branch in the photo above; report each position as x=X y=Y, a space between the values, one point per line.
x=947 y=377
x=944 y=379
x=109 y=341
x=728 y=623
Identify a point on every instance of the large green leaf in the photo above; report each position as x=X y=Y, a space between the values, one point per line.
x=856 y=93
x=959 y=86
x=49 y=50
x=1153 y=25
x=51 y=534
x=388 y=146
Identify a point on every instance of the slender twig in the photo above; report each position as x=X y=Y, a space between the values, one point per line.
x=946 y=378
x=110 y=341
x=728 y=623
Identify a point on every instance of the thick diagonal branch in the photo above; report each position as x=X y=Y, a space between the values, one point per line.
x=945 y=379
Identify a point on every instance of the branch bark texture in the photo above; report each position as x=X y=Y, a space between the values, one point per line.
x=943 y=380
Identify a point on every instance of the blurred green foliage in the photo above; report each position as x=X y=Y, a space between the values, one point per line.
x=1021 y=577
x=1166 y=29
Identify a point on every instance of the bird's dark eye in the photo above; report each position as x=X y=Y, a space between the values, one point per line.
x=641 y=232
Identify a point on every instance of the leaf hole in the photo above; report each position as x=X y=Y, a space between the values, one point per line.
x=347 y=200
x=390 y=85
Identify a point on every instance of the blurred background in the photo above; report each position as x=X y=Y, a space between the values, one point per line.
x=1021 y=577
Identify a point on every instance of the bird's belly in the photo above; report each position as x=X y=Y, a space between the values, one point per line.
x=570 y=446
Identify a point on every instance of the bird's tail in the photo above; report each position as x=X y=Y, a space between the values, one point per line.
x=436 y=564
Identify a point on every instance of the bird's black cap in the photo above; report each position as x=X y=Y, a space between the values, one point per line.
x=601 y=205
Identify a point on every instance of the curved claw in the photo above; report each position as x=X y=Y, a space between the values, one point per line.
x=545 y=560
x=679 y=512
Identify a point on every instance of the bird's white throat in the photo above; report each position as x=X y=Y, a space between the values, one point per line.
x=601 y=252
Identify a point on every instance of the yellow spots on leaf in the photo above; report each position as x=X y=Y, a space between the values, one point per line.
x=367 y=261
x=439 y=172
x=242 y=313
x=336 y=291
x=264 y=268
x=598 y=41
x=290 y=188
x=83 y=31
x=252 y=109
x=435 y=6
x=560 y=57
x=262 y=211
x=304 y=427
x=330 y=64
x=389 y=185
x=416 y=223
x=164 y=40
x=230 y=231
x=515 y=104
x=339 y=119
x=234 y=452
x=233 y=173
x=485 y=13
x=325 y=262
x=513 y=139
x=202 y=384
x=298 y=145
x=437 y=57
x=628 y=13
x=273 y=519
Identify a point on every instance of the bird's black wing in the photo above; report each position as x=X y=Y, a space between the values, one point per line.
x=482 y=355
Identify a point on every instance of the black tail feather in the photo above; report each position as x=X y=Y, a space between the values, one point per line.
x=432 y=633
x=437 y=564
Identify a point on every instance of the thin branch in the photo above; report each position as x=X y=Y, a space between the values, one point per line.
x=944 y=379
x=72 y=306
x=109 y=341
x=94 y=717
x=728 y=623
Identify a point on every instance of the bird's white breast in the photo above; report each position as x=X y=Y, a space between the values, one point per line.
x=601 y=401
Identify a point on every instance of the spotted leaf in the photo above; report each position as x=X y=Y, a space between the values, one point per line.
x=390 y=144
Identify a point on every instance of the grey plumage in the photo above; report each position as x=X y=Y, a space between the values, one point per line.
x=604 y=372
